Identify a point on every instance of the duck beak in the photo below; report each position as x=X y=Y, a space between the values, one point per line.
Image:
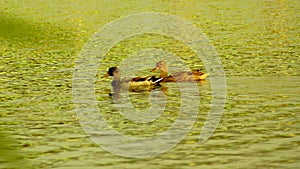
x=106 y=75
x=155 y=69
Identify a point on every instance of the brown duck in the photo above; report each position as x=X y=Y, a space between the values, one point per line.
x=185 y=76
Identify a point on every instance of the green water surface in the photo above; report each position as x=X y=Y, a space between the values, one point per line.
x=257 y=42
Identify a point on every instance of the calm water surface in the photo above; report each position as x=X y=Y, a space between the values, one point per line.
x=257 y=41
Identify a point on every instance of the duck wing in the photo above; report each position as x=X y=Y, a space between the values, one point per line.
x=194 y=75
x=183 y=76
x=154 y=79
x=145 y=81
x=139 y=79
x=197 y=73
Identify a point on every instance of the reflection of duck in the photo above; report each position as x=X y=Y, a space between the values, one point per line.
x=134 y=82
x=185 y=76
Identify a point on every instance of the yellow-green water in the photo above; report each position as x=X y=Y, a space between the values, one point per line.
x=258 y=44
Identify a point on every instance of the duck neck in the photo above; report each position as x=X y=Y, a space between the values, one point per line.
x=116 y=76
x=116 y=79
x=164 y=70
x=163 y=74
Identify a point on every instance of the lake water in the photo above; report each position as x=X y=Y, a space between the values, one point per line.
x=257 y=42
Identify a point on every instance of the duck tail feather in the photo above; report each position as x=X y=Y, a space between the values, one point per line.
x=204 y=75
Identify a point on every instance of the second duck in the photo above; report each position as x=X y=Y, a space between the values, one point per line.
x=184 y=76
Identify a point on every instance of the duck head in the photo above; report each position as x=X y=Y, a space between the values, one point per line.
x=113 y=71
x=161 y=65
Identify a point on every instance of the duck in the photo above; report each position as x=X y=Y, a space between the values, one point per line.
x=184 y=76
x=134 y=82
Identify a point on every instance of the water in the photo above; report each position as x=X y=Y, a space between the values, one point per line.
x=257 y=41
